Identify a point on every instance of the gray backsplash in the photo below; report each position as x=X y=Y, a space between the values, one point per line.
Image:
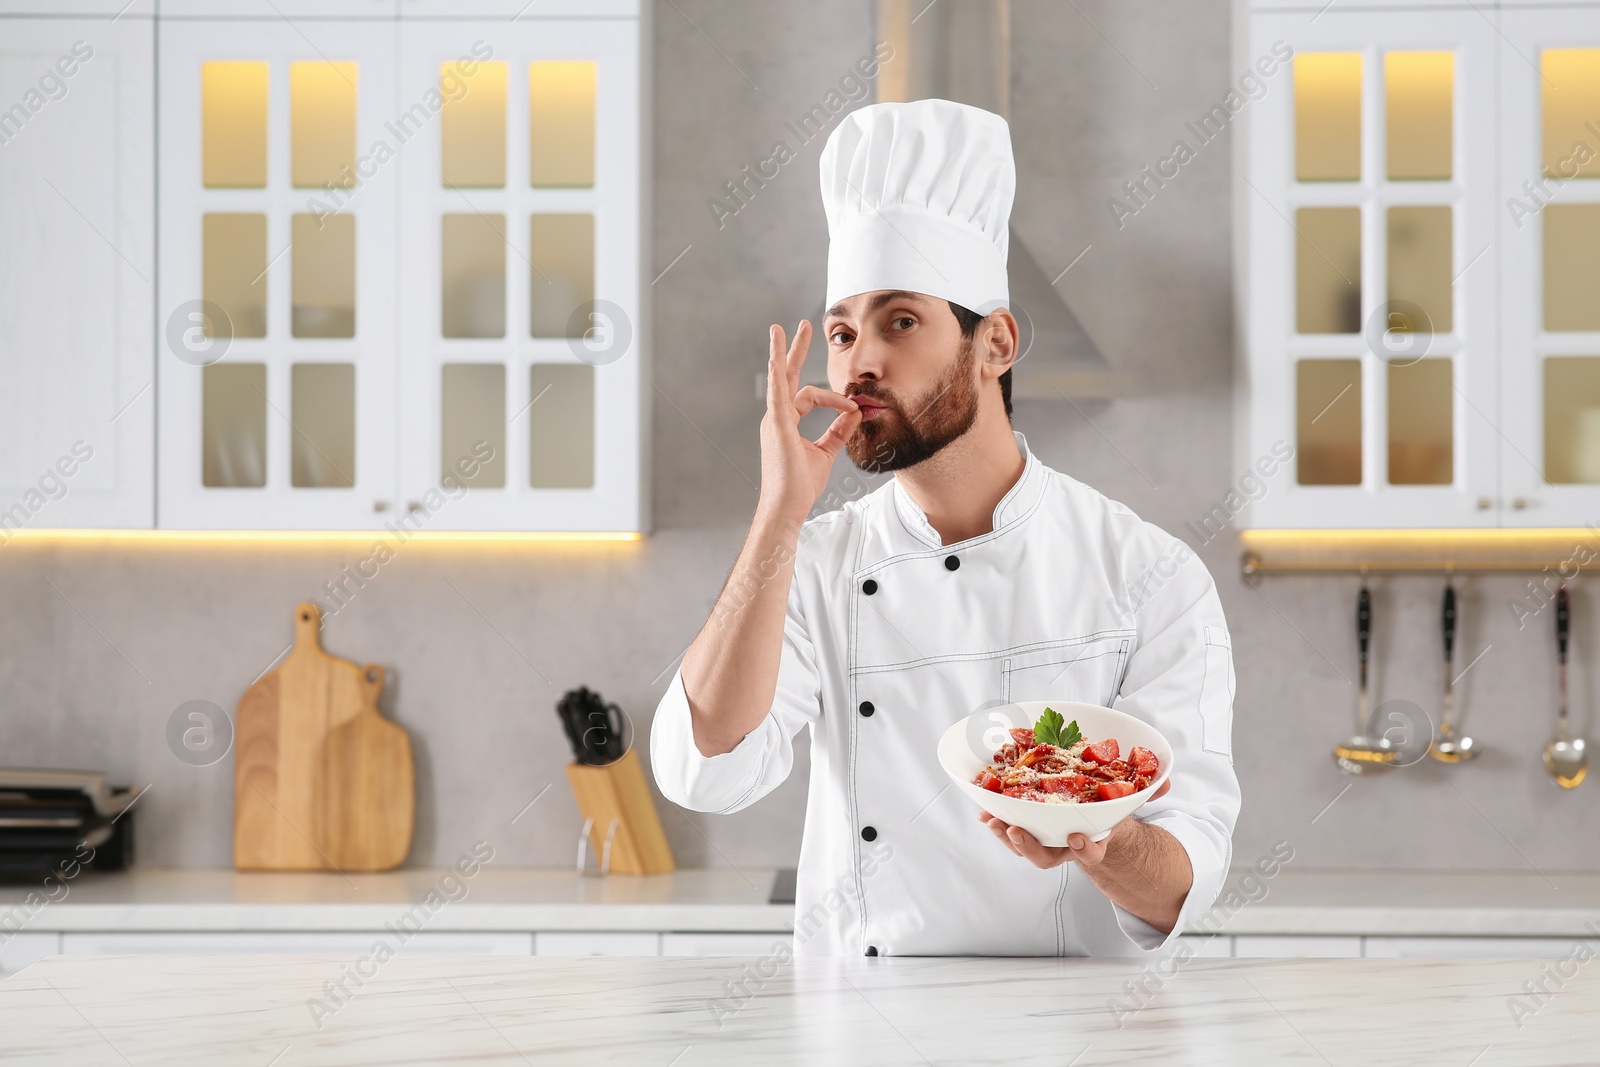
x=100 y=643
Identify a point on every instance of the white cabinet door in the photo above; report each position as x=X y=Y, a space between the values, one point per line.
x=353 y=944
x=1391 y=429
x=1550 y=267
x=717 y=944
x=278 y=216
x=1245 y=945
x=19 y=950
x=596 y=943
x=1472 y=947
x=1212 y=946
x=521 y=327
x=77 y=171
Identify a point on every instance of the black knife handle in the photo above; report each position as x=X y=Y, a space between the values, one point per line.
x=1449 y=620
x=1363 y=621
x=1563 y=621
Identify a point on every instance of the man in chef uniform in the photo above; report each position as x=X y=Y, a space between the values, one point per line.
x=976 y=576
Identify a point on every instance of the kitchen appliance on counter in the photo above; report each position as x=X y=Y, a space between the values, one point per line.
x=321 y=780
x=620 y=822
x=53 y=819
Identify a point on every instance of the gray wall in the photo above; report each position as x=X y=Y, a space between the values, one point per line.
x=99 y=643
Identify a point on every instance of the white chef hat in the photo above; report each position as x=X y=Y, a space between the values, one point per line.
x=918 y=197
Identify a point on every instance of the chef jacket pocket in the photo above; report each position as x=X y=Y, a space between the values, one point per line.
x=1216 y=694
x=1087 y=669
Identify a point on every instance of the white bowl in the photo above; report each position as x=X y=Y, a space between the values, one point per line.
x=965 y=749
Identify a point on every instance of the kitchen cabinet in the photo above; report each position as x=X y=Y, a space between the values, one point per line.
x=1472 y=947
x=346 y=944
x=596 y=943
x=715 y=944
x=77 y=274
x=1296 y=947
x=520 y=334
x=1415 y=351
x=19 y=950
x=398 y=282
x=471 y=360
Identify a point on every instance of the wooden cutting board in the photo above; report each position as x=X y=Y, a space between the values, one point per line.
x=321 y=781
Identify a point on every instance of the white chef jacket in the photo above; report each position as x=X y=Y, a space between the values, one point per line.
x=892 y=636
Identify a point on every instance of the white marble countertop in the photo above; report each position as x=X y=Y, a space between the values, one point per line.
x=1293 y=902
x=685 y=1012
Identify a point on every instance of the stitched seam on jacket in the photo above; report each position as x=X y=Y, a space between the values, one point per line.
x=1020 y=650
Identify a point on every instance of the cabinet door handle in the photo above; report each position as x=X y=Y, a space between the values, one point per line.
x=1484 y=503
x=380 y=505
x=1519 y=502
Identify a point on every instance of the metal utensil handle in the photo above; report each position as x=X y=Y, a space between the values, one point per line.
x=1563 y=625
x=1363 y=642
x=1449 y=614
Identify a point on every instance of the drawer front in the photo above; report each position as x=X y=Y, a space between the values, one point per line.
x=1262 y=945
x=597 y=943
x=312 y=943
x=23 y=949
x=699 y=944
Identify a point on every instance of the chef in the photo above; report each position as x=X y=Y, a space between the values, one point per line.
x=976 y=576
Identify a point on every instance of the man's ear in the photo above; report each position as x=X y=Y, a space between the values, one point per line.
x=997 y=342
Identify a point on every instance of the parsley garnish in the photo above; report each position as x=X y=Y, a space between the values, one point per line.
x=1051 y=729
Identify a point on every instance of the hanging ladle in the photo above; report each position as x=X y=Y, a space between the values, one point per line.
x=1564 y=756
x=1450 y=746
x=1362 y=753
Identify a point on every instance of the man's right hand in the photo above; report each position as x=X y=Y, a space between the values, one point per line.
x=794 y=470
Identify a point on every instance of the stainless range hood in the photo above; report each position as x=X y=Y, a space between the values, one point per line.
x=961 y=50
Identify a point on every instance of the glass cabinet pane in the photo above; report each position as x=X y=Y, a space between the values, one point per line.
x=322 y=123
x=1570 y=82
x=233 y=124
x=561 y=249
x=1421 y=423
x=473 y=251
x=1419 y=97
x=1420 y=268
x=324 y=270
x=1572 y=267
x=233 y=425
x=1327 y=116
x=561 y=426
x=1328 y=269
x=473 y=134
x=1328 y=421
x=234 y=270
x=1572 y=419
x=472 y=425
x=322 y=410
x=561 y=123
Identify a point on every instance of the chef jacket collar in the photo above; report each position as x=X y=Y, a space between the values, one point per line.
x=1016 y=505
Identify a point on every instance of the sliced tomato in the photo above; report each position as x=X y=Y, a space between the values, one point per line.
x=1070 y=784
x=1143 y=761
x=1023 y=736
x=1013 y=790
x=988 y=781
x=1104 y=752
x=1113 y=790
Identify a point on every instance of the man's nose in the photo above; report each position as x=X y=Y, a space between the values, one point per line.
x=863 y=362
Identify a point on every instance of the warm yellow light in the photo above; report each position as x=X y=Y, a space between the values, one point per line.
x=233 y=123
x=433 y=537
x=1379 y=550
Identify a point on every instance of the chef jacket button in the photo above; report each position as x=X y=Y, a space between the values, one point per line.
x=867 y=708
x=872 y=950
x=868 y=833
x=869 y=587
x=952 y=562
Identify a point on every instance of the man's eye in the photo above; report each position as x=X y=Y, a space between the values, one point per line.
x=907 y=319
x=840 y=337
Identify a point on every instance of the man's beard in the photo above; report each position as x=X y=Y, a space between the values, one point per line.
x=904 y=435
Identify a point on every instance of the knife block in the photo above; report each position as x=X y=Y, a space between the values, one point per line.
x=618 y=791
